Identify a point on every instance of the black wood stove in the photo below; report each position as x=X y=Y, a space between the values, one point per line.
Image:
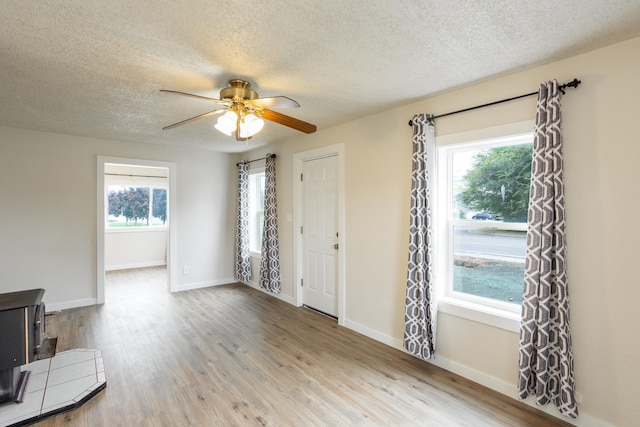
x=23 y=340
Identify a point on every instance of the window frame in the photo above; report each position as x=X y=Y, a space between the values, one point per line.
x=496 y=313
x=254 y=174
x=159 y=183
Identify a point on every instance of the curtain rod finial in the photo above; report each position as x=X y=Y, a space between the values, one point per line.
x=573 y=83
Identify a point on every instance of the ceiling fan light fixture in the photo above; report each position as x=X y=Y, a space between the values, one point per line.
x=227 y=123
x=250 y=125
x=245 y=111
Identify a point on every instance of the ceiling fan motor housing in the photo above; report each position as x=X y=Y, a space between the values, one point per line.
x=238 y=89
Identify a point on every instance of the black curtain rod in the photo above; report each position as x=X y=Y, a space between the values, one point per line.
x=255 y=160
x=573 y=83
x=137 y=176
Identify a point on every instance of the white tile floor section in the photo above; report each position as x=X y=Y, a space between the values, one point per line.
x=58 y=384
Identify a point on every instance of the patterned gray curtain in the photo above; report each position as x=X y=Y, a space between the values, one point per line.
x=420 y=310
x=270 y=262
x=546 y=359
x=243 y=262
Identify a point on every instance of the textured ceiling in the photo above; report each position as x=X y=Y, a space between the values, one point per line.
x=94 y=68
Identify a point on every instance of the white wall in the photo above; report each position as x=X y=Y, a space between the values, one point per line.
x=48 y=212
x=601 y=155
x=134 y=249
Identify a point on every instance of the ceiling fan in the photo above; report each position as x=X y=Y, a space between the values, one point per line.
x=242 y=111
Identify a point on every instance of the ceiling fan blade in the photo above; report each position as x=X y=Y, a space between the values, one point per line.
x=189 y=120
x=288 y=121
x=275 y=102
x=217 y=101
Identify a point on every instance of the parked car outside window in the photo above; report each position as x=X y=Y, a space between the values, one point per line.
x=483 y=216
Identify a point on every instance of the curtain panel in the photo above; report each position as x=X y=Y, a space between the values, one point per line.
x=545 y=352
x=420 y=309
x=243 y=261
x=270 y=262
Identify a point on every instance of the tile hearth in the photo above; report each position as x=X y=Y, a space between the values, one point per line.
x=59 y=384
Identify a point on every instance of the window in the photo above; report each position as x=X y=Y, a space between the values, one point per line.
x=256 y=210
x=129 y=206
x=482 y=198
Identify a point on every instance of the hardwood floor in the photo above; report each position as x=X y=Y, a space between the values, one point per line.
x=234 y=356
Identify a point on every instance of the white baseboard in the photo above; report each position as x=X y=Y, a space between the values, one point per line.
x=206 y=284
x=135 y=265
x=372 y=333
x=65 y=305
x=280 y=296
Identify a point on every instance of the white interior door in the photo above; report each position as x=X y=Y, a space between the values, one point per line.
x=320 y=234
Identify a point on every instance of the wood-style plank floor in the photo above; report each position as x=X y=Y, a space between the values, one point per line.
x=234 y=356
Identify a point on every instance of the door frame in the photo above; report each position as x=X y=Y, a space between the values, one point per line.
x=172 y=247
x=298 y=161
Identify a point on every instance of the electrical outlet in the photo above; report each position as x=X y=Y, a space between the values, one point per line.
x=185 y=269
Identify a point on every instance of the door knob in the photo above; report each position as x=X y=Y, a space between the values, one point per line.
x=335 y=246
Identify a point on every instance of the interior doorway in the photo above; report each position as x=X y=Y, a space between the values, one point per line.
x=319 y=230
x=122 y=247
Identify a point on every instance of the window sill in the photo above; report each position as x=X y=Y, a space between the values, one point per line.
x=480 y=313
x=135 y=229
x=253 y=254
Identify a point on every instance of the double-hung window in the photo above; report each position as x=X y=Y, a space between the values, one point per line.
x=256 y=210
x=482 y=194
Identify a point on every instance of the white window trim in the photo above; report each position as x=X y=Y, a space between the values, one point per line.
x=480 y=313
x=493 y=315
x=128 y=183
x=146 y=229
x=255 y=171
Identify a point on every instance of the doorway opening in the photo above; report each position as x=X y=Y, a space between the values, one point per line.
x=135 y=218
